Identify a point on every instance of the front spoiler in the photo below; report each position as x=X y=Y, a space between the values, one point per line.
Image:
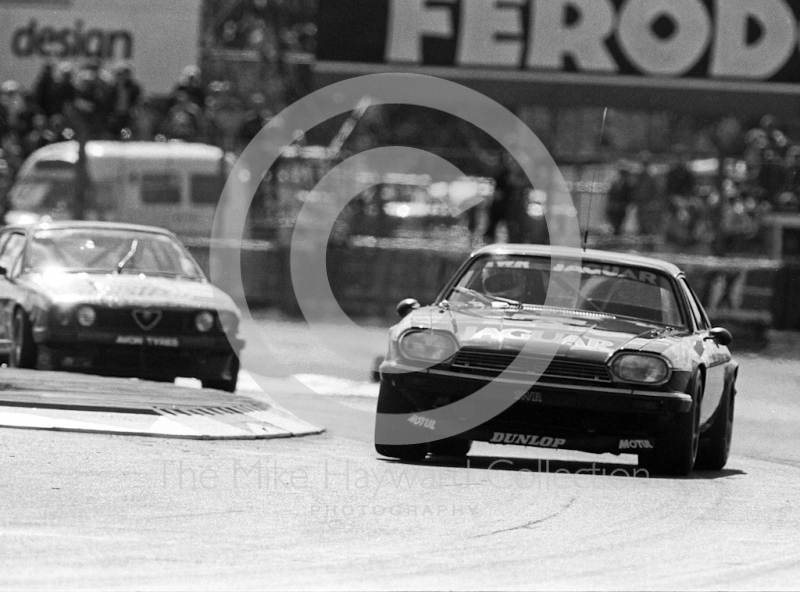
x=104 y=338
x=602 y=397
x=593 y=444
x=545 y=414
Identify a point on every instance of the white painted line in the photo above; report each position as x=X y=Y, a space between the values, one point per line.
x=284 y=421
x=334 y=386
x=273 y=423
x=188 y=382
x=46 y=421
x=246 y=383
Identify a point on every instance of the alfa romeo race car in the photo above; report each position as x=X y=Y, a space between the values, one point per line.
x=113 y=299
x=565 y=349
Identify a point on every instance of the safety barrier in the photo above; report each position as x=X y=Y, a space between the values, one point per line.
x=732 y=289
x=371 y=280
x=786 y=311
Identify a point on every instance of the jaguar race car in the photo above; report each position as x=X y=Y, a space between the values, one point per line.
x=113 y=299
x=564 y=349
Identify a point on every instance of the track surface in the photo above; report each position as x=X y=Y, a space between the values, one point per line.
x=324 y=512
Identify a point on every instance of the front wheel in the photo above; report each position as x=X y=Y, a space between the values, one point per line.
x=392 y=402
x=225 y=384
x=716 y=445
x=676 y=451
x=23 y=348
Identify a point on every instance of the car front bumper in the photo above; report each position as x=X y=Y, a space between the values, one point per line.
x=158 y=357
x=550 y=414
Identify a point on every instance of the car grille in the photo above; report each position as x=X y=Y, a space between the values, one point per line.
x=121 y=319
x=485 y=363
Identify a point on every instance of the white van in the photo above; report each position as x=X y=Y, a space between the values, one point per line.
x=172 y=185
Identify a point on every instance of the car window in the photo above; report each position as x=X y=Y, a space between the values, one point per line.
x=11 y=250
x=653 y=302
x=3 y=239
x=109 y=250
x=617 y=290
x=205 y=189
x=698 y=315
x=43 y=194
x=160 y=188
x=703 y=314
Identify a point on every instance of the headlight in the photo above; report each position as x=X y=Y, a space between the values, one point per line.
x=427 y=346
x=86 y=316
x=204 y=321
x=641 y=368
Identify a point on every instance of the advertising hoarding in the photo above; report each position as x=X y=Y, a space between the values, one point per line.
x=659 y=50
x=157 y=37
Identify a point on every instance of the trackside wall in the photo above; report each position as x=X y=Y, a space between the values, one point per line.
x=750 y=295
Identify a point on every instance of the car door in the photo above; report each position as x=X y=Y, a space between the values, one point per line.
x=714 y=355
x=12 y=244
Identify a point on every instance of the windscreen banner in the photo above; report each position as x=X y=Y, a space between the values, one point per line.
x=158 y=38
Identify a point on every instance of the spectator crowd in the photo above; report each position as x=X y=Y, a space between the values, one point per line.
x=672 y=197
x=717 y=203
x=66 y=102
x=63 y=102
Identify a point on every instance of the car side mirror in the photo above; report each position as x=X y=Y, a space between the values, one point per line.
x=406 y=306
x=720 y=335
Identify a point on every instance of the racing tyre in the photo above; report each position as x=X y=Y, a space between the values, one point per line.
x=390 y=401
x=23 y=348
x=225 y=384
x=716 y=444
x=676 y=450
x=458 y=447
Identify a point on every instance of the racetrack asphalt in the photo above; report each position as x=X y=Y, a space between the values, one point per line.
x=94 y=511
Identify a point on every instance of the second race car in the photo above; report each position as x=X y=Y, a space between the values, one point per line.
x=113 y=299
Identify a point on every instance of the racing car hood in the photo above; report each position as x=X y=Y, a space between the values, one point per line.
x=120 y=290
x=586 y=336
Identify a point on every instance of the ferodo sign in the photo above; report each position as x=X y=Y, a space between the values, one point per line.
x=158 y=38
x=749 y=40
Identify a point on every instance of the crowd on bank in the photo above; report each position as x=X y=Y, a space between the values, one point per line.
x=678 y=199
x=105 y=103
x=719 y=203
x=705 y=205
x=266 y=25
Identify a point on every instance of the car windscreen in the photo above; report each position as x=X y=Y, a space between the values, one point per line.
x=613 y=289
x=109 y=250
x=45 y=195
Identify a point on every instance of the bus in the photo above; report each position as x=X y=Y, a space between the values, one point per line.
x=174 y=185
